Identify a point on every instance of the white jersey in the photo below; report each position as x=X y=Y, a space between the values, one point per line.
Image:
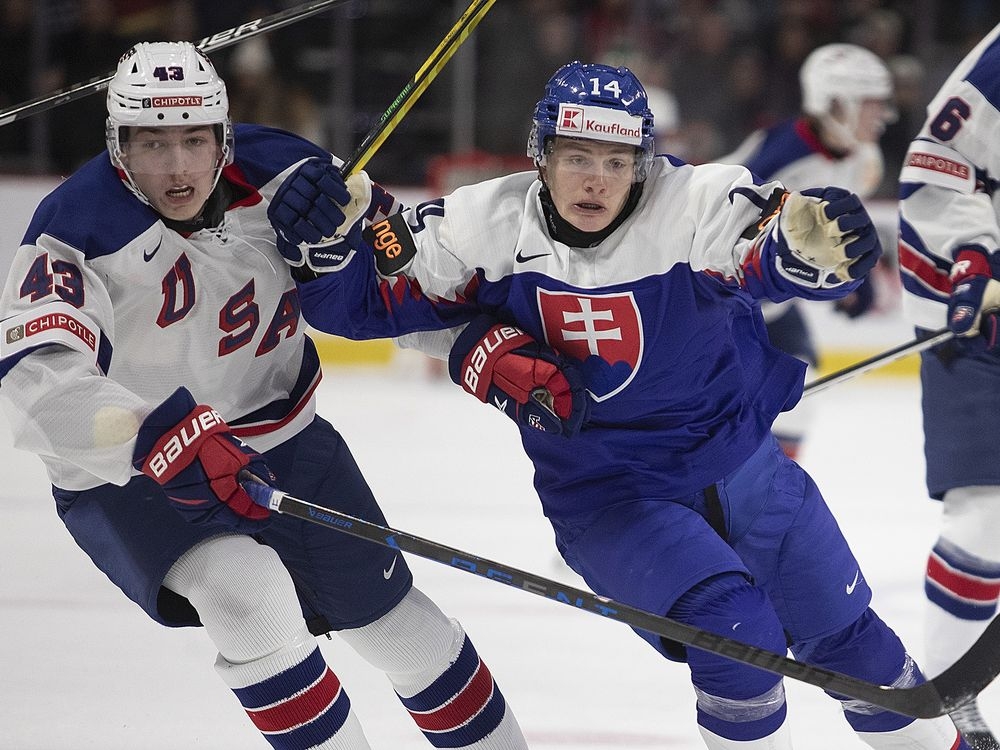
x=107 y=311
x=793 y=153
x=948 y=184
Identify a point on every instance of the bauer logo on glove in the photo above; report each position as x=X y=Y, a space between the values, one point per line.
x=531 y=383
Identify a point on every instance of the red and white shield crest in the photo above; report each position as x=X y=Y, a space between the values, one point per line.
x=606 y=326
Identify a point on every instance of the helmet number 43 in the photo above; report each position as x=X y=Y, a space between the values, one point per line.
x=168 y=73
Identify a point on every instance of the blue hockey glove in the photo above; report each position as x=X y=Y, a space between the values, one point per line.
x=317 y=216
x=825 y=238
x=858 y=302
x=189 y=451
x=975 y=296
x=531 y=383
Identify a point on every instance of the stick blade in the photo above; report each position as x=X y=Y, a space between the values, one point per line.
x=970 y=675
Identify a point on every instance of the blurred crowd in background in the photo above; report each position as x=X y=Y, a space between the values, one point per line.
x=715 y=69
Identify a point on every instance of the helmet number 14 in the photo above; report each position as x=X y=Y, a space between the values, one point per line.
x=611 y=86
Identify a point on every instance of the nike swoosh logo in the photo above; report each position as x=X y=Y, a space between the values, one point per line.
x=520 y=257
x=148 y=256
x=387 y=573
x=850 y=588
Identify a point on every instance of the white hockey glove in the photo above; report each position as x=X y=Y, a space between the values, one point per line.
x=317 y=216
x=825 y=238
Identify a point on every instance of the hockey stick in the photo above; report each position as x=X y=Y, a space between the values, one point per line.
x=958 y=685
x=912 y=347
x=416 y=86
x=209 y=44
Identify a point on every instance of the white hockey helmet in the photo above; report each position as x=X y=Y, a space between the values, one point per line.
x=842 y=72
x=159 y=84
x=846 y=74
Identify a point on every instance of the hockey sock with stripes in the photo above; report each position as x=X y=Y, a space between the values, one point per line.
x=438 y=675
x=294 y=699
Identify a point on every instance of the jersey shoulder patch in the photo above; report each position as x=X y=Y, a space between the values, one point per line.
x=931 y=163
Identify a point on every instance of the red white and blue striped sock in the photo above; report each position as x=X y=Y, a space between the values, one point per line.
x=462 y=706
x=962 y=591
x=961 y=584
x=295 y=700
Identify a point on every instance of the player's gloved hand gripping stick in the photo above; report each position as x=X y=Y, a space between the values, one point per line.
x=317 y=215
x=202 y=467
x=975 y=296
x=530 y=382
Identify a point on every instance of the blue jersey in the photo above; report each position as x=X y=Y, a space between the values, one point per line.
x=661 y=317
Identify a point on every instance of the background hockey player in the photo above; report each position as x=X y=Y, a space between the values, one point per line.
x=949 y=253
x=846 y=93
x=155 y=359
x=612 y=299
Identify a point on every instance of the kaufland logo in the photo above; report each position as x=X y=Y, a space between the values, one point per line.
x=171 y=101
x=570 y=119
x=599 y=123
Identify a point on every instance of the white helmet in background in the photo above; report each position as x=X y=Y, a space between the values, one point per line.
x=848 y=75
x=160 y=84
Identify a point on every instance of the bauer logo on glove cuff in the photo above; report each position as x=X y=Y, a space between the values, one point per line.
x=330 y=257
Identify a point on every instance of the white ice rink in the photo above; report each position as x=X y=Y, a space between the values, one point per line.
x=82 y=667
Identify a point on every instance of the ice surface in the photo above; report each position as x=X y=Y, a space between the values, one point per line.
x=82 y=667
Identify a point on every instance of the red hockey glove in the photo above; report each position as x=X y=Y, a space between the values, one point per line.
x=531 y=383
x=189 y=451
x=975 y=296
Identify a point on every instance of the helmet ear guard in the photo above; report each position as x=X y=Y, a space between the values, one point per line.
x=594 y=102
x=164 y=84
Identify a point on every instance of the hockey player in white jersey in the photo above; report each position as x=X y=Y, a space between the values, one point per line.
x=607 y=303
x=154 y=357
x=846 y=103
x=949 y=257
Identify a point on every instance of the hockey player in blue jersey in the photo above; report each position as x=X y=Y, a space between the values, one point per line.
x=846 y=103
x=611 y=307
x=949 y=259
x=154 y=357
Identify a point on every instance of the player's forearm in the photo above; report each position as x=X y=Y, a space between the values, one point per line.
x=59 y=408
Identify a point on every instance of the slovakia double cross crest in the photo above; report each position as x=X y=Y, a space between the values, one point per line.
x=603 y=331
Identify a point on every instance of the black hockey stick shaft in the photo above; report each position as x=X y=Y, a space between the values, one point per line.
x=416 y=86
x=959 y=684
x=209 y=44
x=879 y=360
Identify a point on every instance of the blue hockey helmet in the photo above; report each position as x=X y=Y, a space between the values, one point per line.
x=594 y=102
